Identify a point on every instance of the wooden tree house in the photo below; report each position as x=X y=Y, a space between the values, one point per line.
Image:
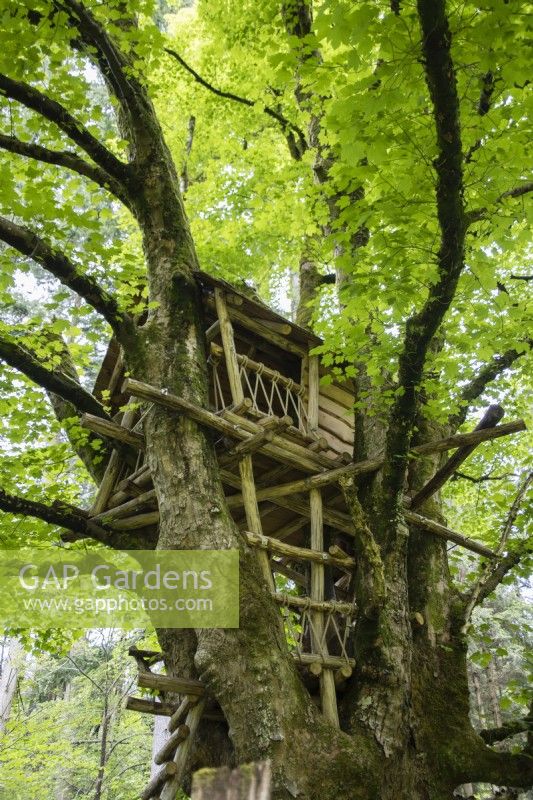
x=283 y=438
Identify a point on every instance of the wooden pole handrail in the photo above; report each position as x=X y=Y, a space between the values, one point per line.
x=262 y=369
x=298 y=553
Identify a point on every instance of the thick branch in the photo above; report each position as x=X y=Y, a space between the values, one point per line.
x=501 y=768
x=492 y=735
x=421 y=328
x=67 y=159
x=53 y=111
x=478 y=384
x=29 y=244
x=53 y=381
x=62 y=514
x=294 y=135
x=75 y=521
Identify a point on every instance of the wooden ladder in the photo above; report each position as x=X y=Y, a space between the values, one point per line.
x=173 y=756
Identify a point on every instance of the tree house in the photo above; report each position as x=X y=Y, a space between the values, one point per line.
x=283 y=440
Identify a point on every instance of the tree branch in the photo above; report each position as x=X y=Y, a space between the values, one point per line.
x=29 y=244
x=113 y=63
x=54 y=381
x=496 y=572
x=483 y=213
x=479 y=383
x=53 y=111
x=56 y=513
x=492 y=735
x=75 y=521
x=422 y=326
x=501 y=768
x=295 y=136
x=67 y=159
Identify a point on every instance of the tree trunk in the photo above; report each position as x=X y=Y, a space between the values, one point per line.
x=11 y=665
x=103 y=755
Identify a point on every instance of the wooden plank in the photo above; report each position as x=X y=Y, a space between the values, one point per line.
x=145 y=706
x=435 y=528
x=164 y=683
x=328 y=695
x=329 y=661
x=181 y=712
x=112 y=431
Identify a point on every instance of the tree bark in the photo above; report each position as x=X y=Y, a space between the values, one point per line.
x=10 y=670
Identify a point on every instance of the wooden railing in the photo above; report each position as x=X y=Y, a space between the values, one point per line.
x=271 y=392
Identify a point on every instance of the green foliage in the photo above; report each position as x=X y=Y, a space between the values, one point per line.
x=53 y=740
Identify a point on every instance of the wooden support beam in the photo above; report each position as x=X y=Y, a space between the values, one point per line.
x=164 y=683
x=134 y=483
x=435 y=528
x=170 y=789
x=280 y=449
x=172 y=744
x=342 y=675
x=135 y=522
x=313 y=392
x=213 y=331
x=146 y=706
x=181 y=712
x=324 y=606
x=112 y=431
x=328 y=662
x=490 y=419
x=270 y=427
x=126 y=509
x=328 y=697
x=158 y=781
x=371 y=465
x=113 y=468
x=283 y=448
x=296 y=553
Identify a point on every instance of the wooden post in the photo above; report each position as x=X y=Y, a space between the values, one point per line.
x=313 y=393
x=181 y=757
x=112 y=470
x=251 y=508
x=327 y=681
x=250 y=781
